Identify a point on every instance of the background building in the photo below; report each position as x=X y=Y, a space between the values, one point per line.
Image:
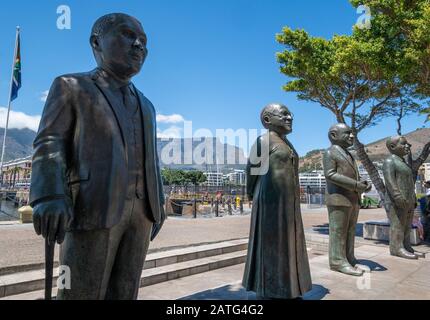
x=16 y=173
x=425 y=169
x=237 y=177
x=314 y=180
x=214 y=179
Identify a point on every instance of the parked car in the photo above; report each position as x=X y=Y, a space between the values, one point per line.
x=371 y=199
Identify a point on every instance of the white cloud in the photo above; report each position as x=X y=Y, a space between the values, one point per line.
x=171 y=132
x=173 y=118
x=44 y=96
x=19 y=120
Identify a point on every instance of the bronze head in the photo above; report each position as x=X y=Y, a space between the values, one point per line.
x=276 y=117
x=340 y=134
x=119 y=45
x=399 y=146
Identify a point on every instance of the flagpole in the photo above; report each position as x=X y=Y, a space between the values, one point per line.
x=9 y=103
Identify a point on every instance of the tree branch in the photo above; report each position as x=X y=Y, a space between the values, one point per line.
x=374 y=111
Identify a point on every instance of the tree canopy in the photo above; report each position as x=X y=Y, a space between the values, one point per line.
x=372 y=74
x=182 y=177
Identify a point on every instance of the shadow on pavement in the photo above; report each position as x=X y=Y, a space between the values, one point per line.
x=374 y=266
x=321 y=228
x=324 y=229
x=237 y=292
x=318 y=292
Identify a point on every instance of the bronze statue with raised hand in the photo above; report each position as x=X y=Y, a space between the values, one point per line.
x=400 y=198
x=344 y=188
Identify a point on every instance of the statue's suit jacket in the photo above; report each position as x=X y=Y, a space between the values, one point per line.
x=80 y=152
x=341 y=175
x=399 y=181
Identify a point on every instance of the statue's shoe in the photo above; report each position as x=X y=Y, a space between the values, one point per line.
x=403 y=253
x=420 y=254
x=410 y=249
x=363 y=267
x=350 y=270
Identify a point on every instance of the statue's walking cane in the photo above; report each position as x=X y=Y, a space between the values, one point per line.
x=49 y=266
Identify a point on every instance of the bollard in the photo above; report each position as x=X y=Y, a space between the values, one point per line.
x=229 y=208
x=217 y=208
x=195 y=208
x=241 y=206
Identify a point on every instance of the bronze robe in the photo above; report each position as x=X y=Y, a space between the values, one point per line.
x=277 y=264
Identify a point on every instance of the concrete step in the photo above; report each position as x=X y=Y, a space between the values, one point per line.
x=159 y=267
x=157 y=257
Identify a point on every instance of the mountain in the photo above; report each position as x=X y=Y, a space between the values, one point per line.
x=205 y=154
x=311 y=161
x=19 y=145
x=377 y=150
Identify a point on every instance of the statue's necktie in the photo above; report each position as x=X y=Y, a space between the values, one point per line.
x=128 y=100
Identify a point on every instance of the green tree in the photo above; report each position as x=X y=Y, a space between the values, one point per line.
x=181 y=177
x=360 y=78
x=195 y=177
x=172 y=177
x=403 y=26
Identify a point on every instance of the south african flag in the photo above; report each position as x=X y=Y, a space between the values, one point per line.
x=16 y=80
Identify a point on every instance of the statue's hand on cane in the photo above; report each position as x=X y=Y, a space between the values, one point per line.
x=51 y=219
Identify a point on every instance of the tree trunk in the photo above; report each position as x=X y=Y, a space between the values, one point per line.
x=371 y=170
x=399 y=126
x=417 y=163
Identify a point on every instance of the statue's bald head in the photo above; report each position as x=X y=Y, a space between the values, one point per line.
x=392 y=141
x=336 y=129
x=276 y=117
x=398 y=145
x=341 y=134
x=270 y=110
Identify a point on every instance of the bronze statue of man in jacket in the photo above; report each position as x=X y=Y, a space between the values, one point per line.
x=400 y=197
x=96 y=184
x=344 y=189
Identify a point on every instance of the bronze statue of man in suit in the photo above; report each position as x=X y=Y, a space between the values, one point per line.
x=277 y=266
x=344 y=189
x=96 y=184
x=400 y=197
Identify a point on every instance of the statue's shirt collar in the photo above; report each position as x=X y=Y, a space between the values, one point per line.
x=399 y=158
x=111 y=80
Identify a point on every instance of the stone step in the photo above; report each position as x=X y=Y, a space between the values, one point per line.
x=155 y=257
x=159 y=267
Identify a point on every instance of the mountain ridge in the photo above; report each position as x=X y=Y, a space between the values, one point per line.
x=19 y=144
x=376 y=150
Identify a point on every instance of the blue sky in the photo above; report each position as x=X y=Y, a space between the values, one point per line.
x=210 y=61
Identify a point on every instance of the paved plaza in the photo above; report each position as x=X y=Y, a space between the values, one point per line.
x=387 y=277
x=390 y=278
x=19 y=245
